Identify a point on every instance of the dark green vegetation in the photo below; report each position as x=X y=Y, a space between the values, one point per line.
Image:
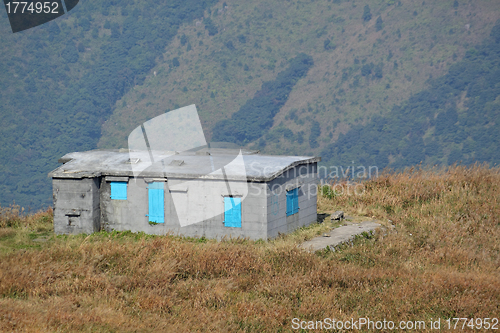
x=366 y=61
x=66 y=78
x=457 y=119
x=256 y=116
x=88 y=78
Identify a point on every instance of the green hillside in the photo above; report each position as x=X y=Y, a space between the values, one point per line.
x=455 y=120
x=361 y=68
x=60 y=82
x=88 y=78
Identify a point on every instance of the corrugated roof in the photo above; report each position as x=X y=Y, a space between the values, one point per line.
x=204 y=164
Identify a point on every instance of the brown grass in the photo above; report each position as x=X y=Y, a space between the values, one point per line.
x=441 y=260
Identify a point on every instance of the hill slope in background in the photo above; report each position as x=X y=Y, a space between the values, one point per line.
x=456 y=120
x=60 y=82
x=88 y=78
x=361 y=68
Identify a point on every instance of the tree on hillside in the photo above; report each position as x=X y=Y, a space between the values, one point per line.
x=367 y=15
x=378 y=24
x=377 y=71
x=184 y=39
x=210 y=26
x=328 y=45
x=70 y=53
x=367 y=69
x=495 y=33
x=315 y=134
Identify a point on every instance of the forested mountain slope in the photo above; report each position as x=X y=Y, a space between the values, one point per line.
x=88 y=78
x=457 y=119
x=60 y=81
x=367 y=56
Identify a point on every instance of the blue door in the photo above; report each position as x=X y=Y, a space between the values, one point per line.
x=232 y=212
x=156 y=202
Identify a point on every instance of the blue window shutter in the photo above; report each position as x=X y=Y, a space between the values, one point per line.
x=119 y=190
x=292 y=202
x=156 y=202
x=156 y=185
x=295 y=201
x=232 y=212
x=289 y=203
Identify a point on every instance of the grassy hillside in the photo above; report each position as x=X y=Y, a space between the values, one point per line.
x=439 y=258
x=361 y=68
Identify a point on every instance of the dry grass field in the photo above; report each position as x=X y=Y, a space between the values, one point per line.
x=440 y=258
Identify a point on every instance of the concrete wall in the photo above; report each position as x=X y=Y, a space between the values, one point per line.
x=127 y=214
x=304 y=176
x=192 y=208
x=76 y=205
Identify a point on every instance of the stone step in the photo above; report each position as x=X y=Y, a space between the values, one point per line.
x=339 y=235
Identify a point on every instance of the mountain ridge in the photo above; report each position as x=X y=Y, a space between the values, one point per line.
x=87 y=79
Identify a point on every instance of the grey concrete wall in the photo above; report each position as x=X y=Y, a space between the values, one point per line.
x=198 y=210
x=203 y=200
x=192 y=208
x=127 y=214
x=76 y=205
x=305 y=176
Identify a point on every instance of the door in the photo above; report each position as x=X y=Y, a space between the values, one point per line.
x=232 y=212
x=156 y=202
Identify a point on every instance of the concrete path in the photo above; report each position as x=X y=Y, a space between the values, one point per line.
x=339 y=235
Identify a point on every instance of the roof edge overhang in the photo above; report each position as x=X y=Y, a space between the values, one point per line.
x=282 y=171
x=60 y=173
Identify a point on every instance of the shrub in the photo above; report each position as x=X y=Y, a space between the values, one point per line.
x=379 y=24
x=367 y=15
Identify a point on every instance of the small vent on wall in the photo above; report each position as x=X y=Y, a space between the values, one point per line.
x=73 y=218
x=202 y=152
x=176 y=163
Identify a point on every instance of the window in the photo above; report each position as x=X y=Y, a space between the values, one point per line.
x=292 y=202
x=119 y=190
x=232 y=212
x=156 y=202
